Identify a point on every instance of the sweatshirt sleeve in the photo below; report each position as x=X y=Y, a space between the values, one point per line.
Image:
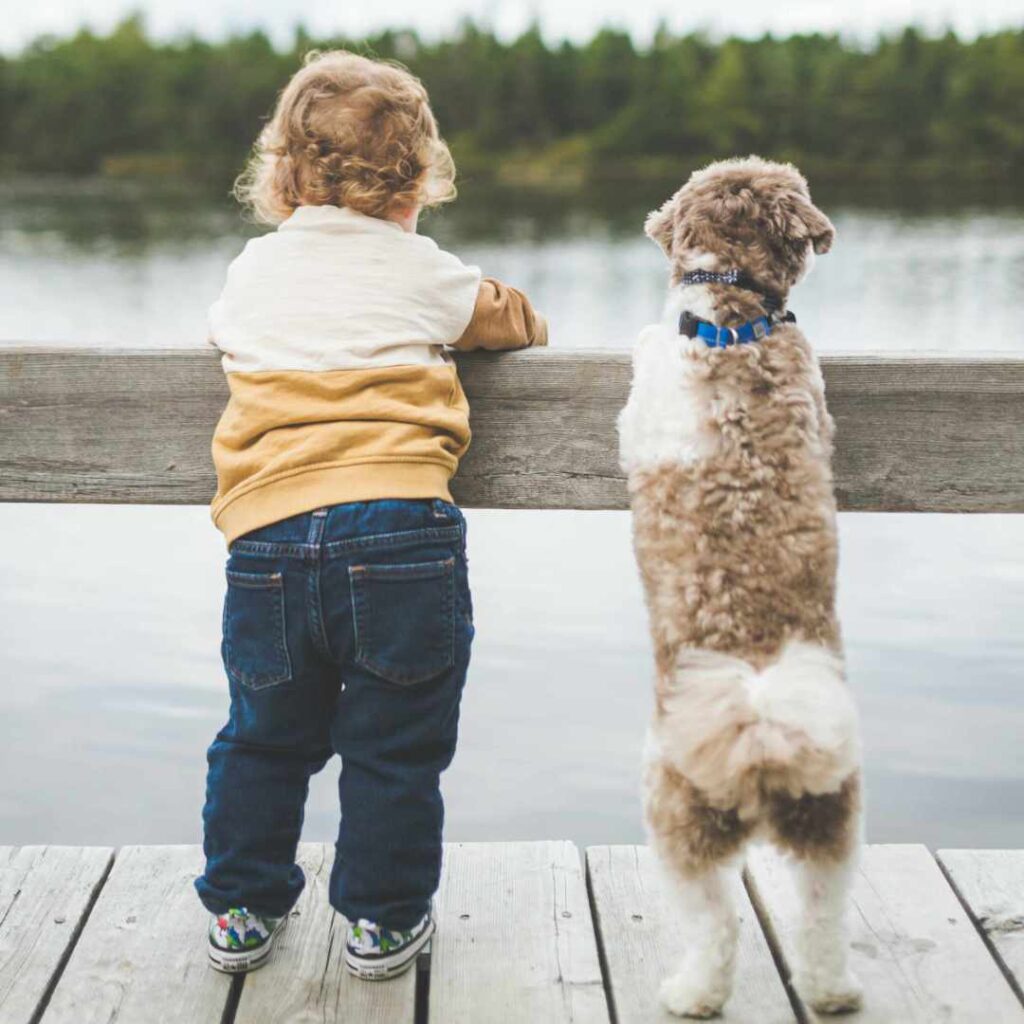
x=502 y=319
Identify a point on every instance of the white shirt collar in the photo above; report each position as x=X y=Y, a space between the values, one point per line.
x=341 y=216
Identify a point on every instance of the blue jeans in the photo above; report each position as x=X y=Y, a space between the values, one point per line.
x=346 y=631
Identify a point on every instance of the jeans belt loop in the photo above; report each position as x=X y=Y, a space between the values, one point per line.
x=317 y=522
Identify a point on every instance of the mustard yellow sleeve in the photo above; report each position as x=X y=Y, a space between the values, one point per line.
x=502 y=319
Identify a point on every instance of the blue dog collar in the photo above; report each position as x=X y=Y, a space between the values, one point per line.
x=725 y=337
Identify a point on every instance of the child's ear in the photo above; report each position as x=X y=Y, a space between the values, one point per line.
x=660 y=224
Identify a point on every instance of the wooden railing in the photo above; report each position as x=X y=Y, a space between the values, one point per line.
x=928 y=433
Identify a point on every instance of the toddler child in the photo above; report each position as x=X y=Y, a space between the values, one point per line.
x=347 y=620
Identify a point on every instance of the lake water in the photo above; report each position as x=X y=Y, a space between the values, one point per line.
x=109 y=616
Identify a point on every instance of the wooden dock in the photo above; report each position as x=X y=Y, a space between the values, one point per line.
x=527 y=932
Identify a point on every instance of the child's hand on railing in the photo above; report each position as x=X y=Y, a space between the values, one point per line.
x=502 y=319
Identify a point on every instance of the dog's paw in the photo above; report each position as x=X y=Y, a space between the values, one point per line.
x=840 y=995
x=682 y=995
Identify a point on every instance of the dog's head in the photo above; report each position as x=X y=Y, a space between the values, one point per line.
x=750 y=214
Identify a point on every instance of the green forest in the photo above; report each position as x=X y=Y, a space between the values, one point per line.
x=526 y=110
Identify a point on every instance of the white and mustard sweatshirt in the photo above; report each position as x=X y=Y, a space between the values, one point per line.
x=333 y=330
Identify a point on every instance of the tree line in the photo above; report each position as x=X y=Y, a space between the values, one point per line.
x=905 y=104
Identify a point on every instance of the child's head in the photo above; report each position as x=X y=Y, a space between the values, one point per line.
x=348 y=131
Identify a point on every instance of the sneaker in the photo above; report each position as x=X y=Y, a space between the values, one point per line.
x=374 y=953
x=241 y=941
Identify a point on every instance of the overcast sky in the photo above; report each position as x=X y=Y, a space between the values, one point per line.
x=559 y=18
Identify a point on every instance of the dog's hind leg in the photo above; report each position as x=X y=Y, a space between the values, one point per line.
x=710 y=931
x=695 y=844
x=823 y=834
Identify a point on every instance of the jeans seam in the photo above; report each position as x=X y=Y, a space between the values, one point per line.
x=275 y=549
x=401 y=538
x=337 y=548
x=314 y=611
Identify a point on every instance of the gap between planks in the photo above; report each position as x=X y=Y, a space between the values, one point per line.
x=523 y=947
x=912 y=946
x=634 y=913
x=926 y=961
x=49 y=892
x=990 y=885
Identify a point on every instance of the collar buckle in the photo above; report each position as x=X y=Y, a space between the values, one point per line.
x=725 y=337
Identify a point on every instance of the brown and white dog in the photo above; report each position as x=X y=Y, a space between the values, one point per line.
x=728 y=451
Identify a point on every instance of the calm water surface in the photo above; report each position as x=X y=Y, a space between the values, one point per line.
x=109 y=616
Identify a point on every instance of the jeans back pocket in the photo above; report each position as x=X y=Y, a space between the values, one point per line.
x=404 y=619
x=255 y=641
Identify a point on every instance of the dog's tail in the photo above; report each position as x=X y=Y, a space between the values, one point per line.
x=732 y=730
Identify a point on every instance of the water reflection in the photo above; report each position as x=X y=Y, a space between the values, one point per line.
x=134 y=267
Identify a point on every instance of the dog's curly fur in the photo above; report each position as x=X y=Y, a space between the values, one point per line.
x=728 y=456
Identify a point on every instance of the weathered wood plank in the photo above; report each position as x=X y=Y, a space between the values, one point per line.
x=637 y=920
x=515 y=942
x=307 y=980
x=991 y=884
x=930 y=433
x=142 y=955
x=913 y=947
x=45 y=894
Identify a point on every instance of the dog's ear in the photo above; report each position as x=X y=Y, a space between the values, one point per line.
x=800 y=220
x=660 y=224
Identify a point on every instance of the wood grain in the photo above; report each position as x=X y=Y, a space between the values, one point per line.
x=912 y=945
x=991 y=884
x=142 y=954
x=637 y=918
x=515 y=942
x=929 y=433
x=307 y=982
x=45 y=895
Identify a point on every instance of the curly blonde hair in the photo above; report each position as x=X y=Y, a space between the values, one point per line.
x=348 y=131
